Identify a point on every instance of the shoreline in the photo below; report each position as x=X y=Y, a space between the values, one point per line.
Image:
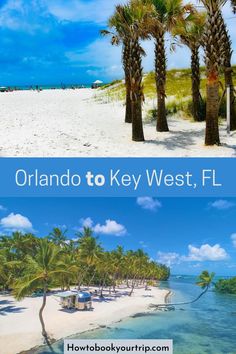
x=23 y=331
x=35 y=349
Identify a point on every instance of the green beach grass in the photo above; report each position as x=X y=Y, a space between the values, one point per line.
x=178 y=91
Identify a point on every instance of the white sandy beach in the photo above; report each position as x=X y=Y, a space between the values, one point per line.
x=74 y=123
x=20 y=326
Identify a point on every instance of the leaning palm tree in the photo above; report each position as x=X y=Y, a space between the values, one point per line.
x=39 y=272
x=190 y=33
x=167 y=13
x=214 y=39
x=205 y=280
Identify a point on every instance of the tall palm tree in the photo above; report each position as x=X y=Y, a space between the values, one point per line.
x=190 y=33
x=167 y=13
x=117 y=256
x=88 y=252
x=121 y=36
x=214 y=39
x=228 y=74
x=67 y=263
x=131 y=23
x=58 y=236
x=6 y=270
x=39 y=272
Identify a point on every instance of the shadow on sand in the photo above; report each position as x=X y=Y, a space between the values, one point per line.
x=7 y=308
x=185 y=140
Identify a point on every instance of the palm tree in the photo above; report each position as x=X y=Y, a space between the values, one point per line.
x=131 y=24
x=167 y=13
x=49 y=265
x=58 y=236
x=190 y=33
x=39 y=272
x=233 y=4
x=205 y=280
x=68 y=263
x=228 y=73
x=6 y=270
x=117 y=256
x=88 y=252
x=121 y=36
x=214 y=39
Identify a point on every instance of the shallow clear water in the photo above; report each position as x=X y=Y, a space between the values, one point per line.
x=206 y=327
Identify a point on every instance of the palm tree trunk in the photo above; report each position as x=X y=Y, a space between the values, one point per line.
x=212 y=110
x=196 y=96
x=160 y=71
x=136 y=92
x=228 y=71
x=133 y=285
x=91 y=279
x=184 y=303
x=128 y=109
x=126 y=66
x=229 y=83
x=137 y=127
x=44 y=332
x=132 y=289
x=80 y=279
x=102 y=286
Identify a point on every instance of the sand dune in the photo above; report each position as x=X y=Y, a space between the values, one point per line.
x=20 y=326
x=56 y=123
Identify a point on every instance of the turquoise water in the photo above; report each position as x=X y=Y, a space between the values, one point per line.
x=206 y=327
x=48 y=87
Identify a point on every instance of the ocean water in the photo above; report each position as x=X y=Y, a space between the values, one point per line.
x=48 y=87
x=205 y=327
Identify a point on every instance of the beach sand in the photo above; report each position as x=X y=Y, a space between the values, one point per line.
x=20 y=326
x=80 y=123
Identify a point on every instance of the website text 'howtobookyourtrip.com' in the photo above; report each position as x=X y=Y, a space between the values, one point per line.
x=118 y=346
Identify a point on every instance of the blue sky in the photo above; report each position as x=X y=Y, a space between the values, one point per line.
x=54 y=41
x=189 y=235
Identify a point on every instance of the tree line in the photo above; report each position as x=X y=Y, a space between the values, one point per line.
x=140 y=20
x=33 y=265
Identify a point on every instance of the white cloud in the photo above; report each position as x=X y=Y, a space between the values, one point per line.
x=169 y=258
x=233 y=238
x=202 y=254
x=143 y=244
x=111 y=227
x=106 y=62
x=25 y=16
x=87 y=222
x=221 y=204
x=149 y=203
x=16 y=222
x=96 y=11
x=206 y=253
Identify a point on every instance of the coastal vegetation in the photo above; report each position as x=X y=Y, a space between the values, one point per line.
x=153 y=19
x=226 y=286
x=32 y=266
